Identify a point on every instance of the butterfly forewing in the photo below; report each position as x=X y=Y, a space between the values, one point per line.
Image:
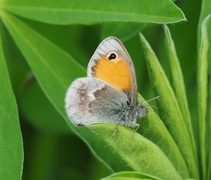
x=112 y=64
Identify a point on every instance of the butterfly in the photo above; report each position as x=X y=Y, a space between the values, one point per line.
x=109 y=92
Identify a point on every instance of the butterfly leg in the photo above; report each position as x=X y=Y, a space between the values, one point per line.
x=135 y=130
x=115 y=131
x=118 y=122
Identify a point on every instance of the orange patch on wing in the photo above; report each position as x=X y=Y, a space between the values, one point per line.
x=115 y=72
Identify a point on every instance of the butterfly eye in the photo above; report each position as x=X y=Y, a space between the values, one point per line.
x=112 y=56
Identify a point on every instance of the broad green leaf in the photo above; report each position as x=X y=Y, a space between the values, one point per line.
x=169 y=109
x=71 y=38
x=138 y=152
x=16 y=64
x=153 y=129
x=204 y=15
x=130 y=176
x=178 y=84
x=54 y=70
x=86 y=12
x=202 y=93
x=11 y=147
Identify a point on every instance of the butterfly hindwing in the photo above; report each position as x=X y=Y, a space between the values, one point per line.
x=91 y=100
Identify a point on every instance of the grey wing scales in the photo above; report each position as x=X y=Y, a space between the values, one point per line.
x=89 y=100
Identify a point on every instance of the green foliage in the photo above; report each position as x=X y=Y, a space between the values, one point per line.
x=11 y=152
x=45 y=45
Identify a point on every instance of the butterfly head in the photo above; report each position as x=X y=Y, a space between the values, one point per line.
x=142 y=111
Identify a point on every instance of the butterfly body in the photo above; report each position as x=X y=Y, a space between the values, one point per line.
x=109 y=92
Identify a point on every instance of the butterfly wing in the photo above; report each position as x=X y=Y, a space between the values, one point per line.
x=112 y=64
x=89 y=100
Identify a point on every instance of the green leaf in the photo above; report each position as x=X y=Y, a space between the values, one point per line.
x=203 y=93
x=208 y=134
x=16 y=64
x=208 y=130
x=169 y=109
x=178 y=84
x=86 y=12
x=138 y=152
x=55 y=70
x=205 y=11
x=130 y=176
x=153 y=129
x=11 y=151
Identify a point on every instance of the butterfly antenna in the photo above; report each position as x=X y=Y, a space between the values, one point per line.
x=153 y=98
x=154 y=107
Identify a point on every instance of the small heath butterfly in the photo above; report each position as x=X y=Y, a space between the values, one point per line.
x=109 y=92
